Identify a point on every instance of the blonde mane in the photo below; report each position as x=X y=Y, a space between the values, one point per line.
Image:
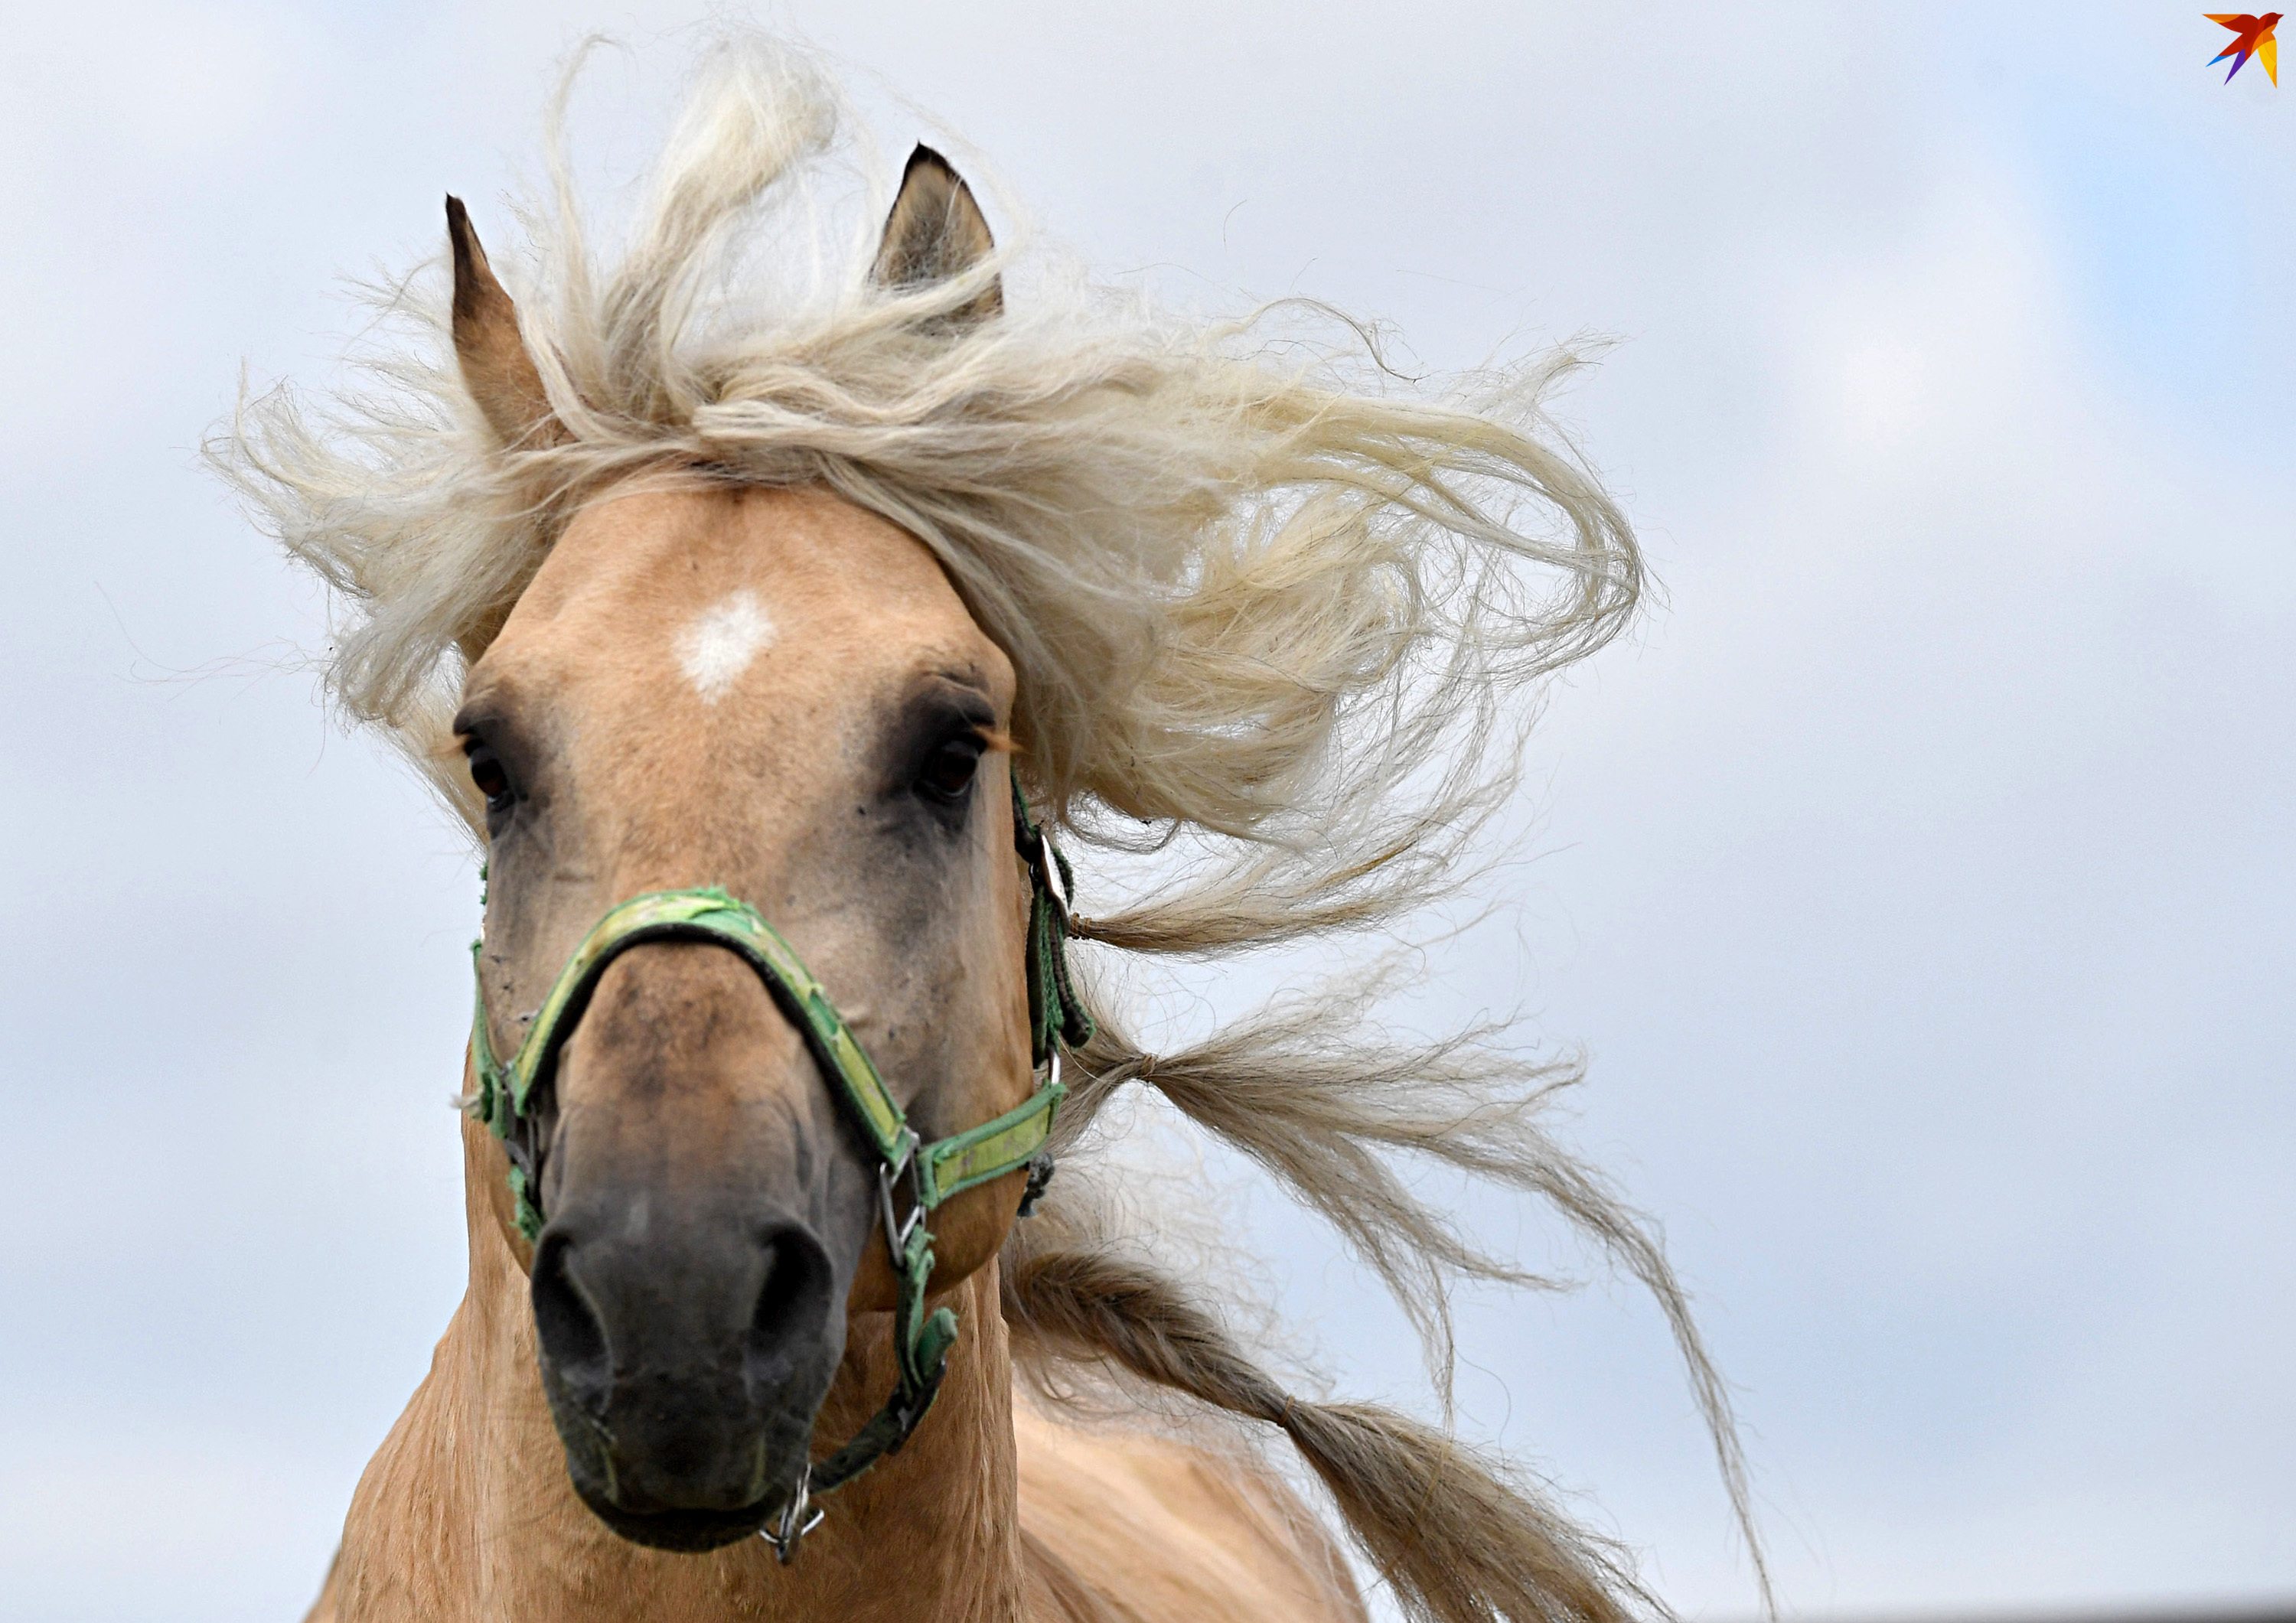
x=1265 y=596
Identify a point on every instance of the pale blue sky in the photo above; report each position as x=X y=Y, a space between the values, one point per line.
x=1918 y=876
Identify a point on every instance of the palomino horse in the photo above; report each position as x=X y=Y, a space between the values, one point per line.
x=736 y=631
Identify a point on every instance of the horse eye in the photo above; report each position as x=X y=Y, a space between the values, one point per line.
x=488 y=773
x=949 y=769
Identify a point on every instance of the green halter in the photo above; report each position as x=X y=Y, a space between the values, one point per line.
x=934 y=1172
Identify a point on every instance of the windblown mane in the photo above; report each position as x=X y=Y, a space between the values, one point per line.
x=1267 y=600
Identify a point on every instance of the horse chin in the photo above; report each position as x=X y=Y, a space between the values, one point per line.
x=683 y=1531
x=656 y=1520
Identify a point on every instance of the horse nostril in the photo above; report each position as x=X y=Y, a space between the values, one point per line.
x=572 y=1338
x=791 y=1310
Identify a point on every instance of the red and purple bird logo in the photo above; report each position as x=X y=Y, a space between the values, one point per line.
x=2250 y=36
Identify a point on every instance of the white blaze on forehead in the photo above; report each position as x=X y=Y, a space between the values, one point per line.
x=718 y=646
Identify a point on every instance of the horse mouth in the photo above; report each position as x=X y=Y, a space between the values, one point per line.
x=683 y=1531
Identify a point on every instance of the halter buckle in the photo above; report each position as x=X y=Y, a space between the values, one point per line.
x=797 y=1517
x=1048 y=871
x=897 y=1230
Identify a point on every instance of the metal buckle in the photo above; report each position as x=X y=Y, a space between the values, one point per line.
x=794 y=1523
x=1048 y=868
x=899 y=1229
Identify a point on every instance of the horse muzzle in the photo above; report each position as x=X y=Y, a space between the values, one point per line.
x=684 y=1371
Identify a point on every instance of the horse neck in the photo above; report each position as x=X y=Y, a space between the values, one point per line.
x=929 y=1536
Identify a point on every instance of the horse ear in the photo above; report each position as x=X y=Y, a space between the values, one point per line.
x=496 y=369
x=936 y=231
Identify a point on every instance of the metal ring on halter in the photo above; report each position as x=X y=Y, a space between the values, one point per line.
x=899 y=1229
x=793 y=1523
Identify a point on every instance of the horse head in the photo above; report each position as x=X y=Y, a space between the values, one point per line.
x=778 y=694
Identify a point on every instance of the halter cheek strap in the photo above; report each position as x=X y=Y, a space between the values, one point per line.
x=925 y=1175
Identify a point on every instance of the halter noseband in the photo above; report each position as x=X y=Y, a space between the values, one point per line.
x=934 y=1172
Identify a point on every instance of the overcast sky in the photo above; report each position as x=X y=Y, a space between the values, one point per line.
x=1917 y=876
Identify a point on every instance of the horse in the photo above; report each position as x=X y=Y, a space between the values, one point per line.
x=789 y=655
